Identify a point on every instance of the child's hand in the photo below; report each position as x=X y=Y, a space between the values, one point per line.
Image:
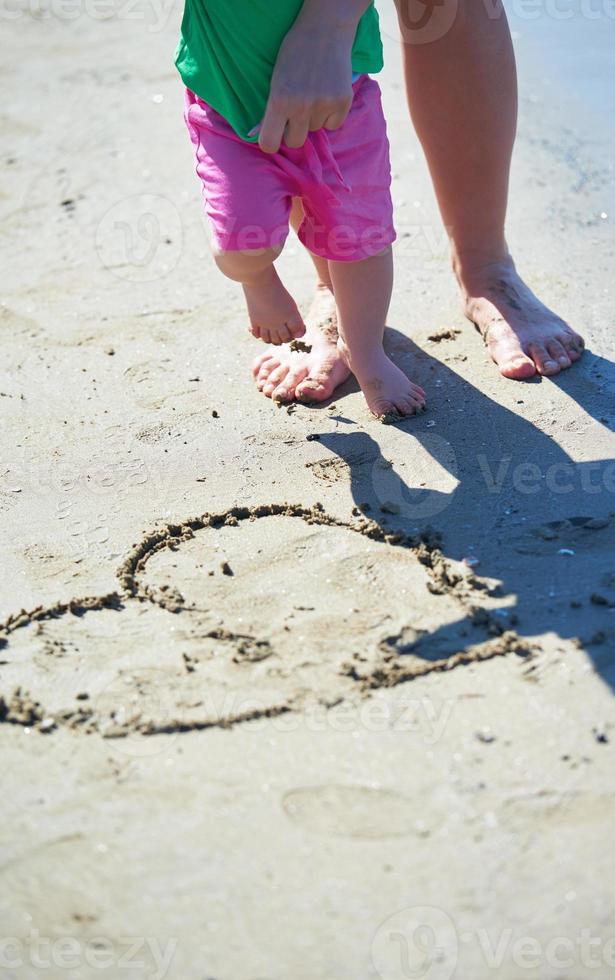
x=311 y=87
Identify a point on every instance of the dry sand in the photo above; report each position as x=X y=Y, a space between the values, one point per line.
x=250 y=731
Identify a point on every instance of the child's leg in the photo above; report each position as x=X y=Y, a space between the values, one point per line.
x=363 y=293
x=310 y=375
x=273 y=313
x=247 y=200
x=323 y=274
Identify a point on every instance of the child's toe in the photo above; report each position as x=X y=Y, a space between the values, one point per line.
x=401 y=406
x=280 y=335
x=296 y=327
x=412 y=406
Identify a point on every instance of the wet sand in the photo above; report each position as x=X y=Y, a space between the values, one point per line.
x=279 y=688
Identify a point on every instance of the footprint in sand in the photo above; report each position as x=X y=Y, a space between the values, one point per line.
x=152 y=383
x=354 y=811
x=66 y=889
x=67 y=870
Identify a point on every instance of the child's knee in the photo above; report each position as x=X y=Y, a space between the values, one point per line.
x=243 y=266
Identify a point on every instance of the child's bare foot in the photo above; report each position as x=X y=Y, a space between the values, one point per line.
x=386 y=388
x=273 y=313
x=286 y=376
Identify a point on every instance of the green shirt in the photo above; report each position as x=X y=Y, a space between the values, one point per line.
x=228 y=49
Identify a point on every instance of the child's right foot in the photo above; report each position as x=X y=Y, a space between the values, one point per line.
x=387 y=390
x=273 y=313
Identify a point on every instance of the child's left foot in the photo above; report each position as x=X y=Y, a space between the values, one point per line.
x=387 y=390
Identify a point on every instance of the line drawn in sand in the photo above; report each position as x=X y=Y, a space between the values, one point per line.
x=197 y=665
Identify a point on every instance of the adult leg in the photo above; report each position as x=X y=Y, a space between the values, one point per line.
x=462 y=93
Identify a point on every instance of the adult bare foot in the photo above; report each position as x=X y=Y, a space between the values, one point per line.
x=523 y=336
x=286 y=375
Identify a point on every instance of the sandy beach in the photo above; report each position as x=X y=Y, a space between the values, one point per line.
x=287 y=694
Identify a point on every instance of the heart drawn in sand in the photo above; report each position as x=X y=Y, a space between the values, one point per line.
x=249 y=613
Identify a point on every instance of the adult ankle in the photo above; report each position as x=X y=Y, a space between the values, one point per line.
x=472 y=267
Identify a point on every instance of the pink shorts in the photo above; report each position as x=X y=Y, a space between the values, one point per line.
x=342 y=176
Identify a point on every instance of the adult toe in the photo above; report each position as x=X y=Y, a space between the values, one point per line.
x=266 y=368
x=510 y=357
x=544 y=361
x=285 y=391
x=316 y=388
x=558 y=353
x=263 y=380
x=258 y=364
x=573 y=344
x=274 y=379
x=512 y=361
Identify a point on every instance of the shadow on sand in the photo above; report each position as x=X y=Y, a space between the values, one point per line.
x=505 y=495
